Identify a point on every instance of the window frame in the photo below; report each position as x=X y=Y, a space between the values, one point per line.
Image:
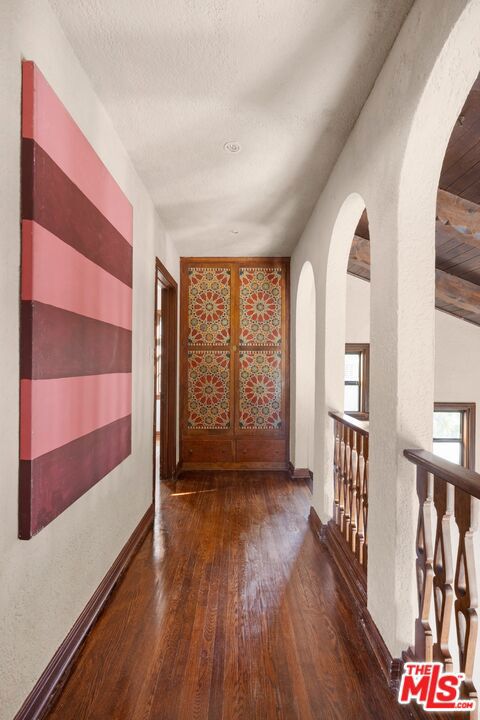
x=362 y=349
x=468 y=411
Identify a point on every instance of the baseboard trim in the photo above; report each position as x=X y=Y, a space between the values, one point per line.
x=351 y=571
x=187 y=467
x=355 y=583
x=301 y=474
x=55 y=674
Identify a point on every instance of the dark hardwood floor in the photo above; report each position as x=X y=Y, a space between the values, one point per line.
x=231 y=610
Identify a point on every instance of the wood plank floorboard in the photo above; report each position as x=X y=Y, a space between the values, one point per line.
x=231 y=610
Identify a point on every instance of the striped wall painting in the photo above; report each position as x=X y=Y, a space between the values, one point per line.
x=76 y=312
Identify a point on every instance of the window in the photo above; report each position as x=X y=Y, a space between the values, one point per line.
x=356 y=379
x=454 y=433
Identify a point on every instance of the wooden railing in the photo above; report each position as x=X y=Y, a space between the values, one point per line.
x=350 y=474
x=447 y=624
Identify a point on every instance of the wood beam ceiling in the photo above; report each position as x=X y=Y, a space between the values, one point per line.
x=450 y=290
x=457 y=227
x=460 y=214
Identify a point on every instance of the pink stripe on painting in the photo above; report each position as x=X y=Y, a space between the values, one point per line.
x=56 y=274
x=46 y=120
x=64 y=409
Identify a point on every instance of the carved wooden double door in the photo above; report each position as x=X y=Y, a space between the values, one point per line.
x=234 y=389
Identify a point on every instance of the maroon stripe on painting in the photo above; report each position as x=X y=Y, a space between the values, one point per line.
x=51 y=199
x=56 y=343
x=52 y=482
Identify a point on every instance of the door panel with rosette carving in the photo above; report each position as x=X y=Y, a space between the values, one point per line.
x=234 y=363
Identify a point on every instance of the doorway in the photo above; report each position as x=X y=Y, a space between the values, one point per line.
x=165 y=377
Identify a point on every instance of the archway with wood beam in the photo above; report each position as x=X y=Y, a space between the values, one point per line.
x=457 y=222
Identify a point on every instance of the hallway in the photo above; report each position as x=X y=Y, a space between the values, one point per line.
x=232 y=609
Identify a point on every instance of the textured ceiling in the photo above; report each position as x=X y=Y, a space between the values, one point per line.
x=284 y=78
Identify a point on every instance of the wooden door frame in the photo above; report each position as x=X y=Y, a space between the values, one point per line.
x=168 y=403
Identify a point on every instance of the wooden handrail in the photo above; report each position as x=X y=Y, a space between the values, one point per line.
x=360 y=426
x=466 y=480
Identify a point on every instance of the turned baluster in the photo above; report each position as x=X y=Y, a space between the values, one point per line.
x=353 y=494
x=360 y=540
x=424 y=565
x=336 y=473
x=350 y=478
x=364 y=550
x=347 y=480
x=466 y=590
x=341 y=500
x=443 y=495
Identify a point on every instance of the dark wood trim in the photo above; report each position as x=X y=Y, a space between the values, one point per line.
x=168 y=395
x=466 y=480
x=364 y=350
x=355 y=583
x=460 y=214
x=240 y=466
x=361 y=426
x=360 y=254
x=451 y=291
x=301 y=474
x=316 y=525
x=167 y=279
x=359 y=416
x=470 y=411
x=55 y=674
x=350 y=570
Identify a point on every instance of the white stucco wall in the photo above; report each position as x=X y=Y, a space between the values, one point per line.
x=45 y=582
x=457 y=350
x=390 y=164
x=302 y=435
x=357 y=319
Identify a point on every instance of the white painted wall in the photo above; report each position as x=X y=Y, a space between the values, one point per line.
x=357 y=319
x=303 y=435
x=285 y=78
x=457 y=350
x=45 y=582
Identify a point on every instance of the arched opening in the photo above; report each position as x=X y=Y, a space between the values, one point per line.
x=305 y=328
x=457 y=291
x=456 y=393
x=436 y=226
x=330 y=363
x=350 y=422
x=357 y=324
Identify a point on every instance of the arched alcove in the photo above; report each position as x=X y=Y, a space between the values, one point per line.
x=455 y=225
x=305 y=369
x=357 y=325
x=403 y=319
x=331 y=353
